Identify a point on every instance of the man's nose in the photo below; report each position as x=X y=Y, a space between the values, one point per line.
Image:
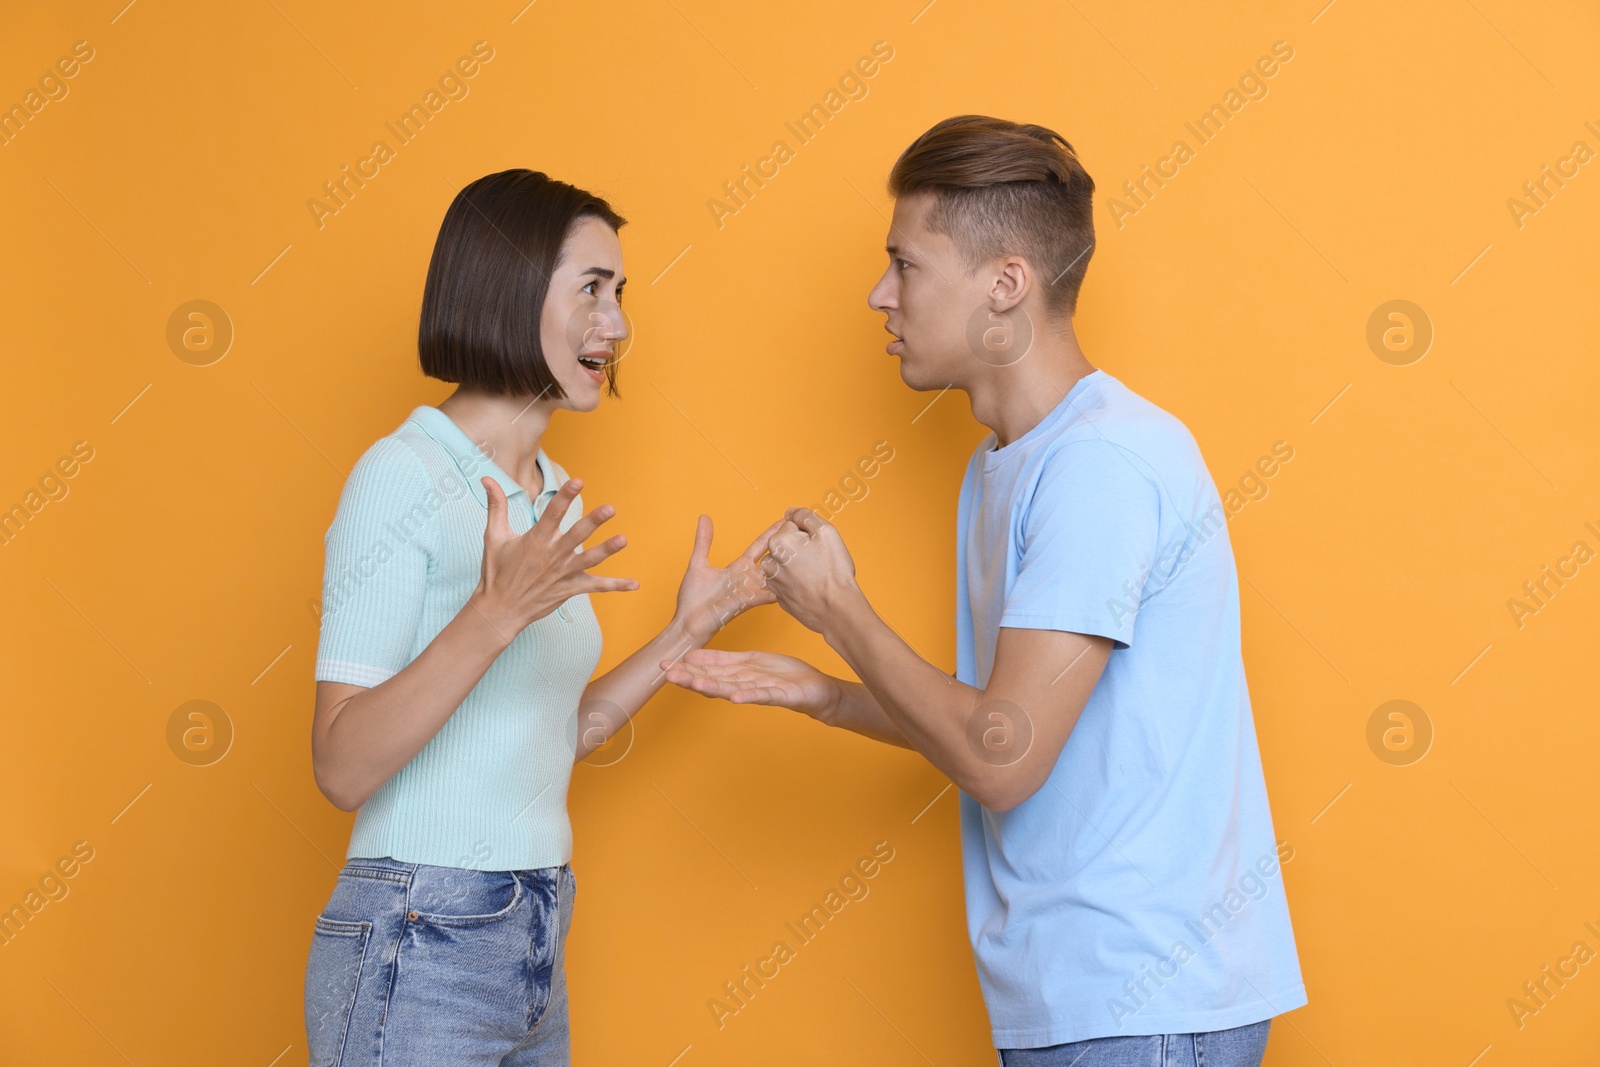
x=879 y=299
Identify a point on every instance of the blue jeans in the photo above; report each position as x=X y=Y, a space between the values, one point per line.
x=1242 y=1046
x=418 y=966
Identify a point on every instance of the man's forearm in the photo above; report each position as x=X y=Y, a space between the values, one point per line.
x=927 y=707
x=858 y=710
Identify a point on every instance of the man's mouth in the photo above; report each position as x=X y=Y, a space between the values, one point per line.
x=894 y=347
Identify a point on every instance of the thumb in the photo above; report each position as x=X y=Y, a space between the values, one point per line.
x=497 y=521
x=702 y=540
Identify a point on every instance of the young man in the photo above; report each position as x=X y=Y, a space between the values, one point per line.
x=1122 y=878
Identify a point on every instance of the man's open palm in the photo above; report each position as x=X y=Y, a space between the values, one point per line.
x=752 y=678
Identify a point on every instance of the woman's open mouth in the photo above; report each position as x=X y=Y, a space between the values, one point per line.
x=594 y=363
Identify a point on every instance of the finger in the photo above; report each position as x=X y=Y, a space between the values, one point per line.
x=786 y=543
x=702 y=540
x=679 y=677
x=731 y=675
x=608 y=585
x=556 y=510
x=679 y=673
x=593 y=557
x=706 y=657
x=584 y=528
x=759 y=695
x=759 y=545
x=807 y=520
x=713 y=687
x=761 y=599
x=769 y=570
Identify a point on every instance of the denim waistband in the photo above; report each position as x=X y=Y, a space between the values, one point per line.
x=402 y=871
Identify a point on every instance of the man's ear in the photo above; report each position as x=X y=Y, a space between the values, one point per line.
x=1013 y=280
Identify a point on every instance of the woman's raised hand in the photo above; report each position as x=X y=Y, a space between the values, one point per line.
x=527 y=576
x=710 y=597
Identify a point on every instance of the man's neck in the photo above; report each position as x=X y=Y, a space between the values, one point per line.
x=1013 y=400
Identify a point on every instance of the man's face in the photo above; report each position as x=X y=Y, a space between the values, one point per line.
x=929 y=299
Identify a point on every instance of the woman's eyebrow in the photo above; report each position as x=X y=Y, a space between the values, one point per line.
x=602 y=272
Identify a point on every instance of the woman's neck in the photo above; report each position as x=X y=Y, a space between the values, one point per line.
x=507 y=428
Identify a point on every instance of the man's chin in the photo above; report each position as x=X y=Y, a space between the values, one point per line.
x=918 y=377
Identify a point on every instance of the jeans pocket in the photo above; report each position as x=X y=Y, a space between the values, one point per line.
x=464 y=898
x=333 y=978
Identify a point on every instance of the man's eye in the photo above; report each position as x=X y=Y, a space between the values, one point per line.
x=901 y=264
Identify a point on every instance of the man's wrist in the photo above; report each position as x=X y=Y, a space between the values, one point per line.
x=844 y=616
x=828 y=712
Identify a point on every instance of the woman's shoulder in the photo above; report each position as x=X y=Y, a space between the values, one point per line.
x=392 y=477
x=393 y=460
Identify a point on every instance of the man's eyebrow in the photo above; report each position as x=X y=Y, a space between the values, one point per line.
x=892 y=249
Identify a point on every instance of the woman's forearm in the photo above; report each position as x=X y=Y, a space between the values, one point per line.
x=617 y=695
x=362 y=742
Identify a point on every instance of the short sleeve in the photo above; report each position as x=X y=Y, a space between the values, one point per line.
x=1089 y=537
x=376 y=568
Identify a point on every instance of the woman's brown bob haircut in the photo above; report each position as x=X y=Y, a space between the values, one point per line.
x=498 y=246
x=1006 y=188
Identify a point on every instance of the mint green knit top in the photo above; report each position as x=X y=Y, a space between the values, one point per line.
x=404 y=552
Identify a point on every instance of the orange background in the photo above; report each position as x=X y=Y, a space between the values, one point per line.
x=185 y=561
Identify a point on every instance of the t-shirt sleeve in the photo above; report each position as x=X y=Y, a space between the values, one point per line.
x=376 y=568
x=1089 y=538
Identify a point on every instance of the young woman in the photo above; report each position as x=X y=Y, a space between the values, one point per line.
x=457 y=645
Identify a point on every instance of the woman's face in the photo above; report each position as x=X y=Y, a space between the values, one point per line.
x=582 y=324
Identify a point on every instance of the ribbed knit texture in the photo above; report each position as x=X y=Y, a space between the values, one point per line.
x=404 y=552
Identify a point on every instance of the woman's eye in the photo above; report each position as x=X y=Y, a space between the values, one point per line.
x=589 y=287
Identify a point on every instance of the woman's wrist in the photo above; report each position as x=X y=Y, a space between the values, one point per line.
x=691 y=632
x=502 y=625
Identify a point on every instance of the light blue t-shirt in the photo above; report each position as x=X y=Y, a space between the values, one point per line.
x=1139 y=890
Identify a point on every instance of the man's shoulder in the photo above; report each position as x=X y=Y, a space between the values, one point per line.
x=1132 y=414
x=1115 y=416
